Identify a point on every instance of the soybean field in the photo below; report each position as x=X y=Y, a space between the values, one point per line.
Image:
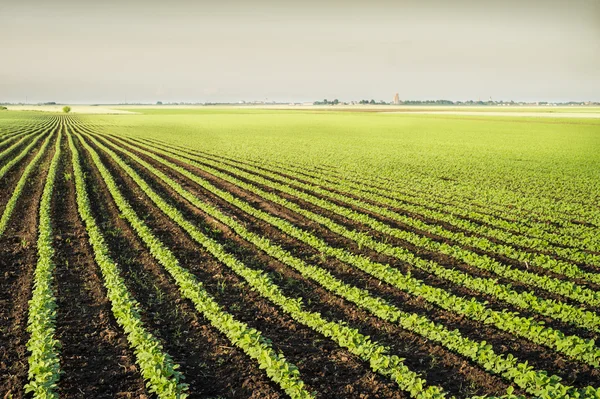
x=264 y=253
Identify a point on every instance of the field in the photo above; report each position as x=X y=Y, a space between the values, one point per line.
x=273 y=253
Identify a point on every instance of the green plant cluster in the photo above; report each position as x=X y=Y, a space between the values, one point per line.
x=240 y=334
x=520 y=232
x=421 y=200
x=480 y=242
x=573 y=346
x=44 y=366
x=12 y=202
x=371 y=352
x=157 y=367
x=551 y=284
x=7 y=166
x=525 y=300
x=535 y=382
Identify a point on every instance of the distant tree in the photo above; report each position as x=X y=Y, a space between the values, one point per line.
x=372 y=102
x=66 y=109
x=336 y=102
x=159 y=103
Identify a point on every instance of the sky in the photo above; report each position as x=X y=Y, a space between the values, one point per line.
x=228 y=51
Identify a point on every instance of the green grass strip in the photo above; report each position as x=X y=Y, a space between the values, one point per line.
x=157 y=367
x=44 y=367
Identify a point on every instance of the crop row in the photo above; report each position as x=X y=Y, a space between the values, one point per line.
x=469 y=257
x=29 y=169
x=240 y=334
x=43 y=346
x=22 y=129
x=545 y=230
x=524 y=376
x=7 y=151
x=157 y=367
x=525 y=300
x=499 y=197
x=480 y=242
x=13 y=161
x=541 y=236
x=584 y=350
x=371 y=352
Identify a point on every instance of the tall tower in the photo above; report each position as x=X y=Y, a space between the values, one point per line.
x=396 y=99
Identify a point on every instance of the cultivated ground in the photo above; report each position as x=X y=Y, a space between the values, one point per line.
x=265 y=253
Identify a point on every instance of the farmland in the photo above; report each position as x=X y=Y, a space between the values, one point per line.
x=263 y=253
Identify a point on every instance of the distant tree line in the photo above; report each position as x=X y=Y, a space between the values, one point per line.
x=373 y=102
x=327 y=102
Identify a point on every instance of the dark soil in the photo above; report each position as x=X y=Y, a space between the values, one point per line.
x=95 y=357
x=18 y=257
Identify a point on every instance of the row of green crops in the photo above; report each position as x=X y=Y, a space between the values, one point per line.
x=544 y=240
x=502 y=221
x=240 y=334
x=371 y=352
x=23 y=180
x=482 y=353
x=486 y=238
x=43 y=347
x=13 y=161
x=553 y=285
x=581 y=349
x=157 y=367
x=531 y=165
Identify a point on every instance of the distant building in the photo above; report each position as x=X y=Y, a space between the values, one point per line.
x=396 y=99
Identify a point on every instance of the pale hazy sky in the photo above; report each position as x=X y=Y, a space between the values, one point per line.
x=144 y=51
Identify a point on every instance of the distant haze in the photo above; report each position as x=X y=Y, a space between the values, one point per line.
x=199 y=51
